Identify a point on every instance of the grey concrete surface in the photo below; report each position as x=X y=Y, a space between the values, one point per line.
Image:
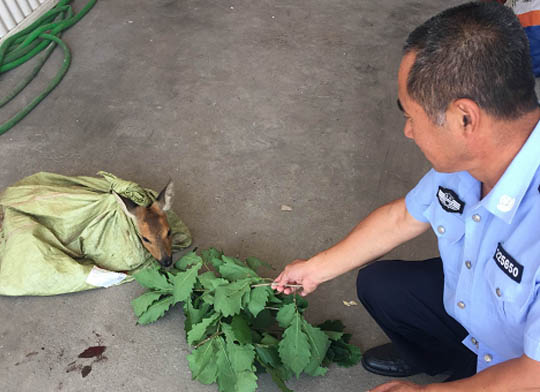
x=246 y=105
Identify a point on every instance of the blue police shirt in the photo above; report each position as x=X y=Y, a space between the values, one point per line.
x=490 y=250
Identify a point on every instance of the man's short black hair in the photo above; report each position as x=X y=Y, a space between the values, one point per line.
x=477 y=51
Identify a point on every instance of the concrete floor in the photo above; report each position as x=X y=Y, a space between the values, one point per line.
x=247 y=105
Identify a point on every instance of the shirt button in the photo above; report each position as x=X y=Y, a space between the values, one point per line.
x=468 y=264
x=488 y=358
x=477 y=218
x=474 y=341
x=498 y=292
x=461 y=304
x=441 y=229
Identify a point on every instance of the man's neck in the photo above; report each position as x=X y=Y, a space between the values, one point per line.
x=501 y=148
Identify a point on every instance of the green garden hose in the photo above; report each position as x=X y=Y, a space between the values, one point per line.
x=27 y=43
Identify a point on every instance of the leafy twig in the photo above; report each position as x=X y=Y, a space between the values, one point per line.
x=224 y=314
x=296 y=286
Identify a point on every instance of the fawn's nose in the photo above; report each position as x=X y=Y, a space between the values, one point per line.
x=166 y=261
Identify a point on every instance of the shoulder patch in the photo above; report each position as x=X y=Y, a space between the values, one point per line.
x=450 y=201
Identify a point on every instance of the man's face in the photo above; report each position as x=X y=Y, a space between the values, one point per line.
x=441 y=145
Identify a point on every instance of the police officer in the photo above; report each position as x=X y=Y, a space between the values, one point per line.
x=466 y=89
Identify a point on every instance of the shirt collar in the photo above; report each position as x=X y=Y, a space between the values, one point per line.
x=505 y=198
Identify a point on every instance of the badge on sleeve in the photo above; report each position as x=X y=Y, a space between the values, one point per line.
x=450 y=201
x=507 y=264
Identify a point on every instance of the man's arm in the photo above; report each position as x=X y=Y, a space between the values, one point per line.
x=381 y=231
x=520 y=374
x=516 y=375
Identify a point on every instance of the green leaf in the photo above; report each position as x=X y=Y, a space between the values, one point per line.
x=343 y=354
x=231 y=271
x=333 y=329
x=212 y=256
x=156 y=310
x=319 y=371
x=269 y=340
x=210 y=281
x=353 y=358
x=184 y=282
x=235 y=367
x=332 y=325
x=294 y=349
x=285 y=315
x=208 y=298
x=276 y=377
x=346 y=337
x=258 y=299
x=194 y=315
x=241 y=355
x=198 y=331
x=269 y=356
x=241 y=329
x=246 y=381
x=319 y=344
x=141 y=304
x=187 y=260
x=337 y=352
x=151 y=278
x=233 y=260
x=228 y=298
x=228 y=331
x=334 y=335
x=202 y=363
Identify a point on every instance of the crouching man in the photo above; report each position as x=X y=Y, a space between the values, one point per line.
x=466 y=89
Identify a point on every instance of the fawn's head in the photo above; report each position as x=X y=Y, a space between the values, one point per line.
x=152 y=224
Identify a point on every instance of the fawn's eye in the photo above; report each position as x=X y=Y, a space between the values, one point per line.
x=169 y=233
x=146 y=240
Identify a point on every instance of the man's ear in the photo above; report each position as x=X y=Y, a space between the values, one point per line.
x=164 y=198
x=466 y=114
x=127 y=205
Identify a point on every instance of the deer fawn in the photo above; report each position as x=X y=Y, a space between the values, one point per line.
x=152 y=225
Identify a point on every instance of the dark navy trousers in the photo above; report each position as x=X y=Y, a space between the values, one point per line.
x=406 y=299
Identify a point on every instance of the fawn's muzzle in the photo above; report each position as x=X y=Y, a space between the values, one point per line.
x=166 y=261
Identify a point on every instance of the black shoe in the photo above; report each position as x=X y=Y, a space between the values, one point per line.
x=385 y=361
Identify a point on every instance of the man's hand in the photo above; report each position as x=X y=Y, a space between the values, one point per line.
x=298 y=272
x=398 y=386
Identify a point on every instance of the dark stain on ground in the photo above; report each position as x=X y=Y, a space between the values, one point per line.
x=95 y=352
x=27 y=356
x=86 y=370
x=91 y=352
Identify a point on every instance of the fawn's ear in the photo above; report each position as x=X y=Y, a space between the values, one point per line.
x=127 y=205
x=164 y=198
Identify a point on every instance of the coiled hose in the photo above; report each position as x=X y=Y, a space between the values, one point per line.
x=43 y=34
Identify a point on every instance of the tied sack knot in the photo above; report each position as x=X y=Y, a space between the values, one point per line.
x=128 y=189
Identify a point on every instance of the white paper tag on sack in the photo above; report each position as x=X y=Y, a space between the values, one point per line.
x=103 y=278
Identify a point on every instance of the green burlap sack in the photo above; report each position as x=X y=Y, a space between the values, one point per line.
x=63 y=234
